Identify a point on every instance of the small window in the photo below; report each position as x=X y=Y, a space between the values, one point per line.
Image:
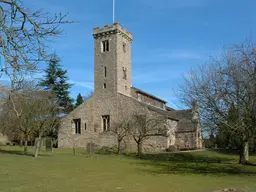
x=125 y=87
x=105 y=122
x=77 y=126
x=104 y=85
x=124 y=47
x=105 y=46
x=105 y=71
x=85 y=126
x=124 y=73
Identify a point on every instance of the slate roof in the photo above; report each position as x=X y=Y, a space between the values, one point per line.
x=148 y=94
x=185 y=113
x=183 y=117
x=185 y=125
x=169 y=108
x=171 y=115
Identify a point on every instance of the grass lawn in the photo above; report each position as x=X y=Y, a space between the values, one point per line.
x=177 y=172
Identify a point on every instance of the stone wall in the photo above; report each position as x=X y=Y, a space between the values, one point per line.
x=171 y=132
x=147 y=99
x=124 y=107
x=67 y=137
x=124 y=63
x=4 y=139
x=196 y=121
x=115 y=60
x=90 y=113
x=128 y=106
x=150 y=101
x=186 y=140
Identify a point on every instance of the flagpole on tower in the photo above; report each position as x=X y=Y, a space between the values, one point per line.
x=114 y=11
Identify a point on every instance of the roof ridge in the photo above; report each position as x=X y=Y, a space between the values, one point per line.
x=153 y=96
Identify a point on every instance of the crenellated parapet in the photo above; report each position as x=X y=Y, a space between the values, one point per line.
x=116 y=28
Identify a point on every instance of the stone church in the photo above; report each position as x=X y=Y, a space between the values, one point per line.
x=115 y=98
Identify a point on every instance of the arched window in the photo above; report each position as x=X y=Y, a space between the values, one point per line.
x=105 y=122
x=77 y=126
x=105 y=46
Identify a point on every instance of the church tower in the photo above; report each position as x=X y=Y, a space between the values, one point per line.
x=112 y=67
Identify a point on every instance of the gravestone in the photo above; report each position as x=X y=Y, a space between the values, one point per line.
x=45 y=144
x=48 y=144
x=230 y=190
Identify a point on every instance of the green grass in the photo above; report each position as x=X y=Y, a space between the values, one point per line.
x=178 y=172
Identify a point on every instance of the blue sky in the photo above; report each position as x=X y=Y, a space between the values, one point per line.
x=170 y=37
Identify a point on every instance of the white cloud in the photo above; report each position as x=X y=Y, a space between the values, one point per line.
x=165 y=55
x=144 y=76
x=88 y=85
x=184 y=54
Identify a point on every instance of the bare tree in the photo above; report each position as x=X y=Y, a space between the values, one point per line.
x=74 y=140
x=4 y=92
x=145 y=126
x=25 y=37
x=45 y=117
x=120 y=130
x=225 y=91
x=30 y=111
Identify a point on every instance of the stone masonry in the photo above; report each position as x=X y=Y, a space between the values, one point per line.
x=114 y=99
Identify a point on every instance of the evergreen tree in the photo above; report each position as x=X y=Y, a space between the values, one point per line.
x=56 y=81
x=79 y=100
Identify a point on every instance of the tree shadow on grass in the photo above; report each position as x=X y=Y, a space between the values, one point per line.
x=191 y=163
x=15 y=152
x=234 y=153
x=182 y=157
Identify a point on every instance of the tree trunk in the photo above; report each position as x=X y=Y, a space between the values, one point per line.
x=244 y=153
x=74 y=150
x=119 y=146
x=52 y=146
x=38 y=144
x=25 y=146
x=139 y=146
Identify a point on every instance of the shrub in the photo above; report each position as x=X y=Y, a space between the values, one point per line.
x=209 y=144
x=91 y=147
x=172 y=148
x=107 y=150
